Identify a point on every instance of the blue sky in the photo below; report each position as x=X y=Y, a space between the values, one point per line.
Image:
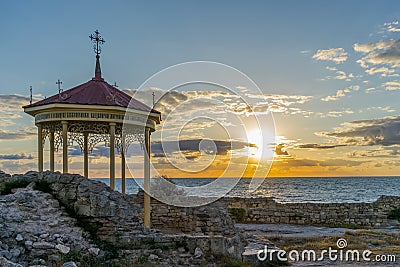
x=276 y=43
x=45 y=40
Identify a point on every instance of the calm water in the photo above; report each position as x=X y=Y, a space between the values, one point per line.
x=343 y=189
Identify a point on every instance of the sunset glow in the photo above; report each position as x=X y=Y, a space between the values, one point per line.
x=330 y=79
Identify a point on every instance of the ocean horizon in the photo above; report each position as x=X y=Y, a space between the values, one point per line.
x=351 y=189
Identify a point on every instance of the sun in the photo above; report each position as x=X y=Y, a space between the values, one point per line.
x=255 y=139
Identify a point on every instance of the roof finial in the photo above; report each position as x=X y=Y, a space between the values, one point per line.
x=30 y=99
x=59 y=86
x=97 y=42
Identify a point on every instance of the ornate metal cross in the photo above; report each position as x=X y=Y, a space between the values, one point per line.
x=59 y=86
x=97 y=42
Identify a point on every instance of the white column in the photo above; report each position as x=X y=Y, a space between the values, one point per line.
x=85 y=154
x=123 y=178
x=146 y=200
x=112 y=155
x=40 y=148
x=51 y=151
x=65 y=145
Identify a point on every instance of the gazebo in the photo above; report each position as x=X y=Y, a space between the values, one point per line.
x=91 y=113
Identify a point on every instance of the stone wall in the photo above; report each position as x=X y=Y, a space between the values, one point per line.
x=211 y=219
x=267 y=210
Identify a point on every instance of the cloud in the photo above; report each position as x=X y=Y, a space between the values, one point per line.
x=383 y=71
x=392 y=26
x=13 y=101
x=279 y=150
x=383 y=152
x=220 y=102
x=385 y=132
x=19 y=134
x=341 y=93
x=384 y=52
x=287 y=100
x=318 y=146
x=16 y=156
x=340 y=162
x=331 y=68
x=341 y=75
x=243 y=108
x=392 y=85
x=337 y=55
x=289 y=165
x=11 y=108
x=336 y=113
x=279 y=103
x=15 y=166
x=386 y=108
x=185 y=103
x=198 y=145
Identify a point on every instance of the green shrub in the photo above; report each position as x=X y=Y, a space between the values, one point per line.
x=110 y=251
x=394 y=214
x=84 y=260
x=142 y=259
x=43 y=185
x=238 y=214
x=73 y=255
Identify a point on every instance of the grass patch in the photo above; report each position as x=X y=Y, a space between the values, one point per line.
x=84 y=260
x=394 y=214
x=229 y=261
x=8 y=186
x=238 y=214
x=377 y=241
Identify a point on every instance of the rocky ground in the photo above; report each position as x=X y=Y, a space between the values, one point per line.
x=49 y=219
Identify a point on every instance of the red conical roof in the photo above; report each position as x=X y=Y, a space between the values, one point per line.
x=95 y=92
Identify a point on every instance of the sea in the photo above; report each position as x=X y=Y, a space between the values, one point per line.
x=287 y=190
